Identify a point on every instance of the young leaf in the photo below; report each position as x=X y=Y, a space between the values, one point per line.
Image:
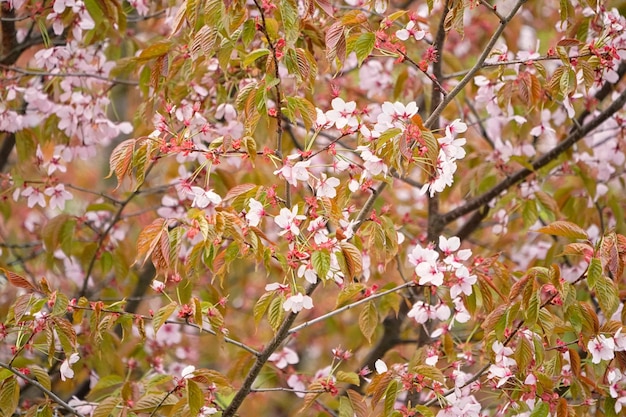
x=162 y=315
x=368 y=320
x=321 y=263
x=276 y=313
x=607 y=294
x=594 y=272
x=149 y=238
x=18 y=280
x=195 y=397
x=120 y=160
x=565 y=229
x=390 y=397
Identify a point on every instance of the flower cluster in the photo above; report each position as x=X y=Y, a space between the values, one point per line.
x=501 y=369
x=602 y=347
x=451 y=150
x=431 y=270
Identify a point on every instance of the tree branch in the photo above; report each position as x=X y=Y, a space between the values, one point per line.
x=261 y=359
x=576 y=135
x=477 y=66
x=349 y=306
x=43 y=389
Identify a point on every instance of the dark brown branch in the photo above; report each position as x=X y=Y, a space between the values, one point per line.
x=575 y=135
x=261 y=359
x=9 y=33
x=5 y=150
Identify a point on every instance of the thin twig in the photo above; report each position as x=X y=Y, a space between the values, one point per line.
x=43 y=389
x=25 y=71
x=477 y=66
x=349 y=306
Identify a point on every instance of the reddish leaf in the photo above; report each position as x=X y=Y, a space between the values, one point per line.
x=18 y=280
x=565 y=229
x=120 y=160
x=149 y=238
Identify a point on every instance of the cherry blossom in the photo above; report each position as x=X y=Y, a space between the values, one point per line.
x=422 y=312
x=501 y=368
x=157 y=285
x=296 y=383
x=395 y=115
x=601 y=348
x=35 y=196
x=326 y=186
x=288 y=220
x=373 y=164
x=66 y=367
x=297 y=302
x=307 y=271
x=187 y=372
x=204 y=198
x=58 y=196
x=381 y=366
x=342 y=114
x=255 y=212
x=284 y=358
x=411 y=30
x=296 y=172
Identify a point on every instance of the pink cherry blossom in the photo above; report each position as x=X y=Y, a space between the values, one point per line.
x=58 y=196
x=255 y=213
x=326 y=186
x=342 y=114
x=288 y=220
x=204 y=198
x=35 y=197
x=601 y=348
x=411 y=30
x=284 y=358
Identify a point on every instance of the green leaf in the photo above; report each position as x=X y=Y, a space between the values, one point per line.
x=564 y=11
x=95 y=11
x=524 y=353
x=349 y=377
x=422 y=409
x=276 y=312
x=321 y=263
x=541 y=409
x=106 y=407
x=607 y=294
x=368 y=320
x=364 y=45
x=155 y=50
x=291 y=22
x=41 y=375
x=195 y=398
x=390 y=397
x=261 y=306
x=151 y=401
x=594 y=272
x=565 y=229
x=345 y=408
x=349 y=292
x=532 y=312
x=254 y=55
x=162 y=315
x=9 y=396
